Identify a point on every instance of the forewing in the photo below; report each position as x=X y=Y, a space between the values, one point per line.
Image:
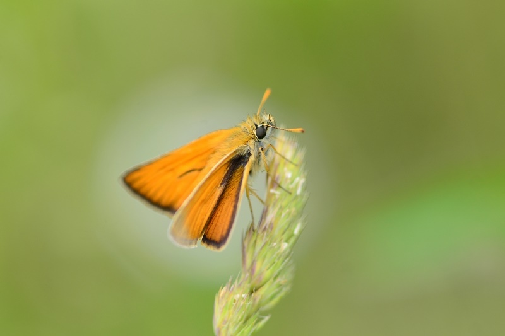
x=168 y=181
x=210 y=211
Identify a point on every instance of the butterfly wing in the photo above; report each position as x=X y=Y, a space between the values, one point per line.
x=167 y=181
x=209 y=213
x=220 y=223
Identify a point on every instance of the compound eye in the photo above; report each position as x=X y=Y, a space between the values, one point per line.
x=261 y=132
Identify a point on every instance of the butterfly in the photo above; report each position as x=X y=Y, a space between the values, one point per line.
x=202 y=183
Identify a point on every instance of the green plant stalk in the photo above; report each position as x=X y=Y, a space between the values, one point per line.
x=241 y=307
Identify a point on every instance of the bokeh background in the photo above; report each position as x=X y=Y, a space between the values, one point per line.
x=404 y=109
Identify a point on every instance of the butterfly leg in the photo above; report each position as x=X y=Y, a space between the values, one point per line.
x=276 y=152
x=251 y=190
x=247 y=191
x=267 y=169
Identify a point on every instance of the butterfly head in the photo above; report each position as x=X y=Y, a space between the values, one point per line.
x=263 y=126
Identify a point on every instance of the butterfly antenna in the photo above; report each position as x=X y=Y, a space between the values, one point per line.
x=265 y=97
x=294 y=130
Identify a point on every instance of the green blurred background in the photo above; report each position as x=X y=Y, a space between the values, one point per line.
x=404 y=109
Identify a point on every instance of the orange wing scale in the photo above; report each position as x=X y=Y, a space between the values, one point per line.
x=168 y=181
x=210 y=211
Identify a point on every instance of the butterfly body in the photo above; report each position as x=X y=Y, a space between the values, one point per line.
x=201 y=184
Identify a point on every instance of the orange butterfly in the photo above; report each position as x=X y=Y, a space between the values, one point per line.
x=202 y=182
